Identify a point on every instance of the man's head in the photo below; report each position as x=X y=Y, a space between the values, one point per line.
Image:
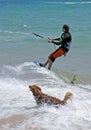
x=65 y=28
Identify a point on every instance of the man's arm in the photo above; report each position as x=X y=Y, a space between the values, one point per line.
x=57 y=41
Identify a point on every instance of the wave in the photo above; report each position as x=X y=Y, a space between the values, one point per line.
x=13 y=32
x=8 y=35
x=17 y=99
x=29 y=69
x=77 y=2
x=70 y=3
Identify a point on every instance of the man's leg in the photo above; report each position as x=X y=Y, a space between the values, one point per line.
x=49 y=58
x=44 y=65
x=50 y=64
x=59 y=52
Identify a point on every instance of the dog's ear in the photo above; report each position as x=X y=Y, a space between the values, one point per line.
x=39 y=89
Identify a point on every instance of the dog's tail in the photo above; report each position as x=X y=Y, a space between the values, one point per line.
x=68 y=96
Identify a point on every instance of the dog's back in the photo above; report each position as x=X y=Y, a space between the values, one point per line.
x=49 y=100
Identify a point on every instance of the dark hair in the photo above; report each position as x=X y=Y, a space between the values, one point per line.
x=66 y=27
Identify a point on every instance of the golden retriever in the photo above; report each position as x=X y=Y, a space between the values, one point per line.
x=42 y=98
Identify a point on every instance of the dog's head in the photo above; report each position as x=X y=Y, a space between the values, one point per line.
x=35 y=89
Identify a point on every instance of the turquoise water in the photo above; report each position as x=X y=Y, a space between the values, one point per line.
x=19 y=19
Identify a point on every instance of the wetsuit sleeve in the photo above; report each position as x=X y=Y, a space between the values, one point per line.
x=57 y=41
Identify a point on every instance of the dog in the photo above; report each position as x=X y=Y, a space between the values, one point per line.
x=42 y=98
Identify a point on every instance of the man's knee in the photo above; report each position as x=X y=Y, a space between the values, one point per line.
x=52 y=59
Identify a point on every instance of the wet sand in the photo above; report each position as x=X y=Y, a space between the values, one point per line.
x=76 y=78
x=12 y=121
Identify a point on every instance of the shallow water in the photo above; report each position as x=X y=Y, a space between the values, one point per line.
x=18 y=109
x=20 y=19
x=19 y=48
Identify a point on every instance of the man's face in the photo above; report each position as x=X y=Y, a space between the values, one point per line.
x=63 y=30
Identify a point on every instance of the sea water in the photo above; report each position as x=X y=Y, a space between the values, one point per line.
x=19 y=19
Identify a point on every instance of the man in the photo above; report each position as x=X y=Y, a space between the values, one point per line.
x=64 y=41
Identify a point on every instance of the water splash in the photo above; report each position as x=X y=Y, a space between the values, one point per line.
x=16 y=99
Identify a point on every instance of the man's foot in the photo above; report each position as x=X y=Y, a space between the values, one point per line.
x=41 y=65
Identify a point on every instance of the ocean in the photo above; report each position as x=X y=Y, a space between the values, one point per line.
x=19 y=48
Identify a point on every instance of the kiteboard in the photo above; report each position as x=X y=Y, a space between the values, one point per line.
x=38 y=63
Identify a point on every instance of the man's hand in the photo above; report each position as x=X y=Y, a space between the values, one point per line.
x=50 y=40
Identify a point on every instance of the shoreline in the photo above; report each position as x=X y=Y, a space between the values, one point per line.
x=73 y=77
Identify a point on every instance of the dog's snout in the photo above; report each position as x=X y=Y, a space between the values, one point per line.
x=30 y=86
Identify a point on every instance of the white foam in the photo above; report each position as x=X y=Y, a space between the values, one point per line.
x=15 y=98
x=19 y=68
x=70 y=3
